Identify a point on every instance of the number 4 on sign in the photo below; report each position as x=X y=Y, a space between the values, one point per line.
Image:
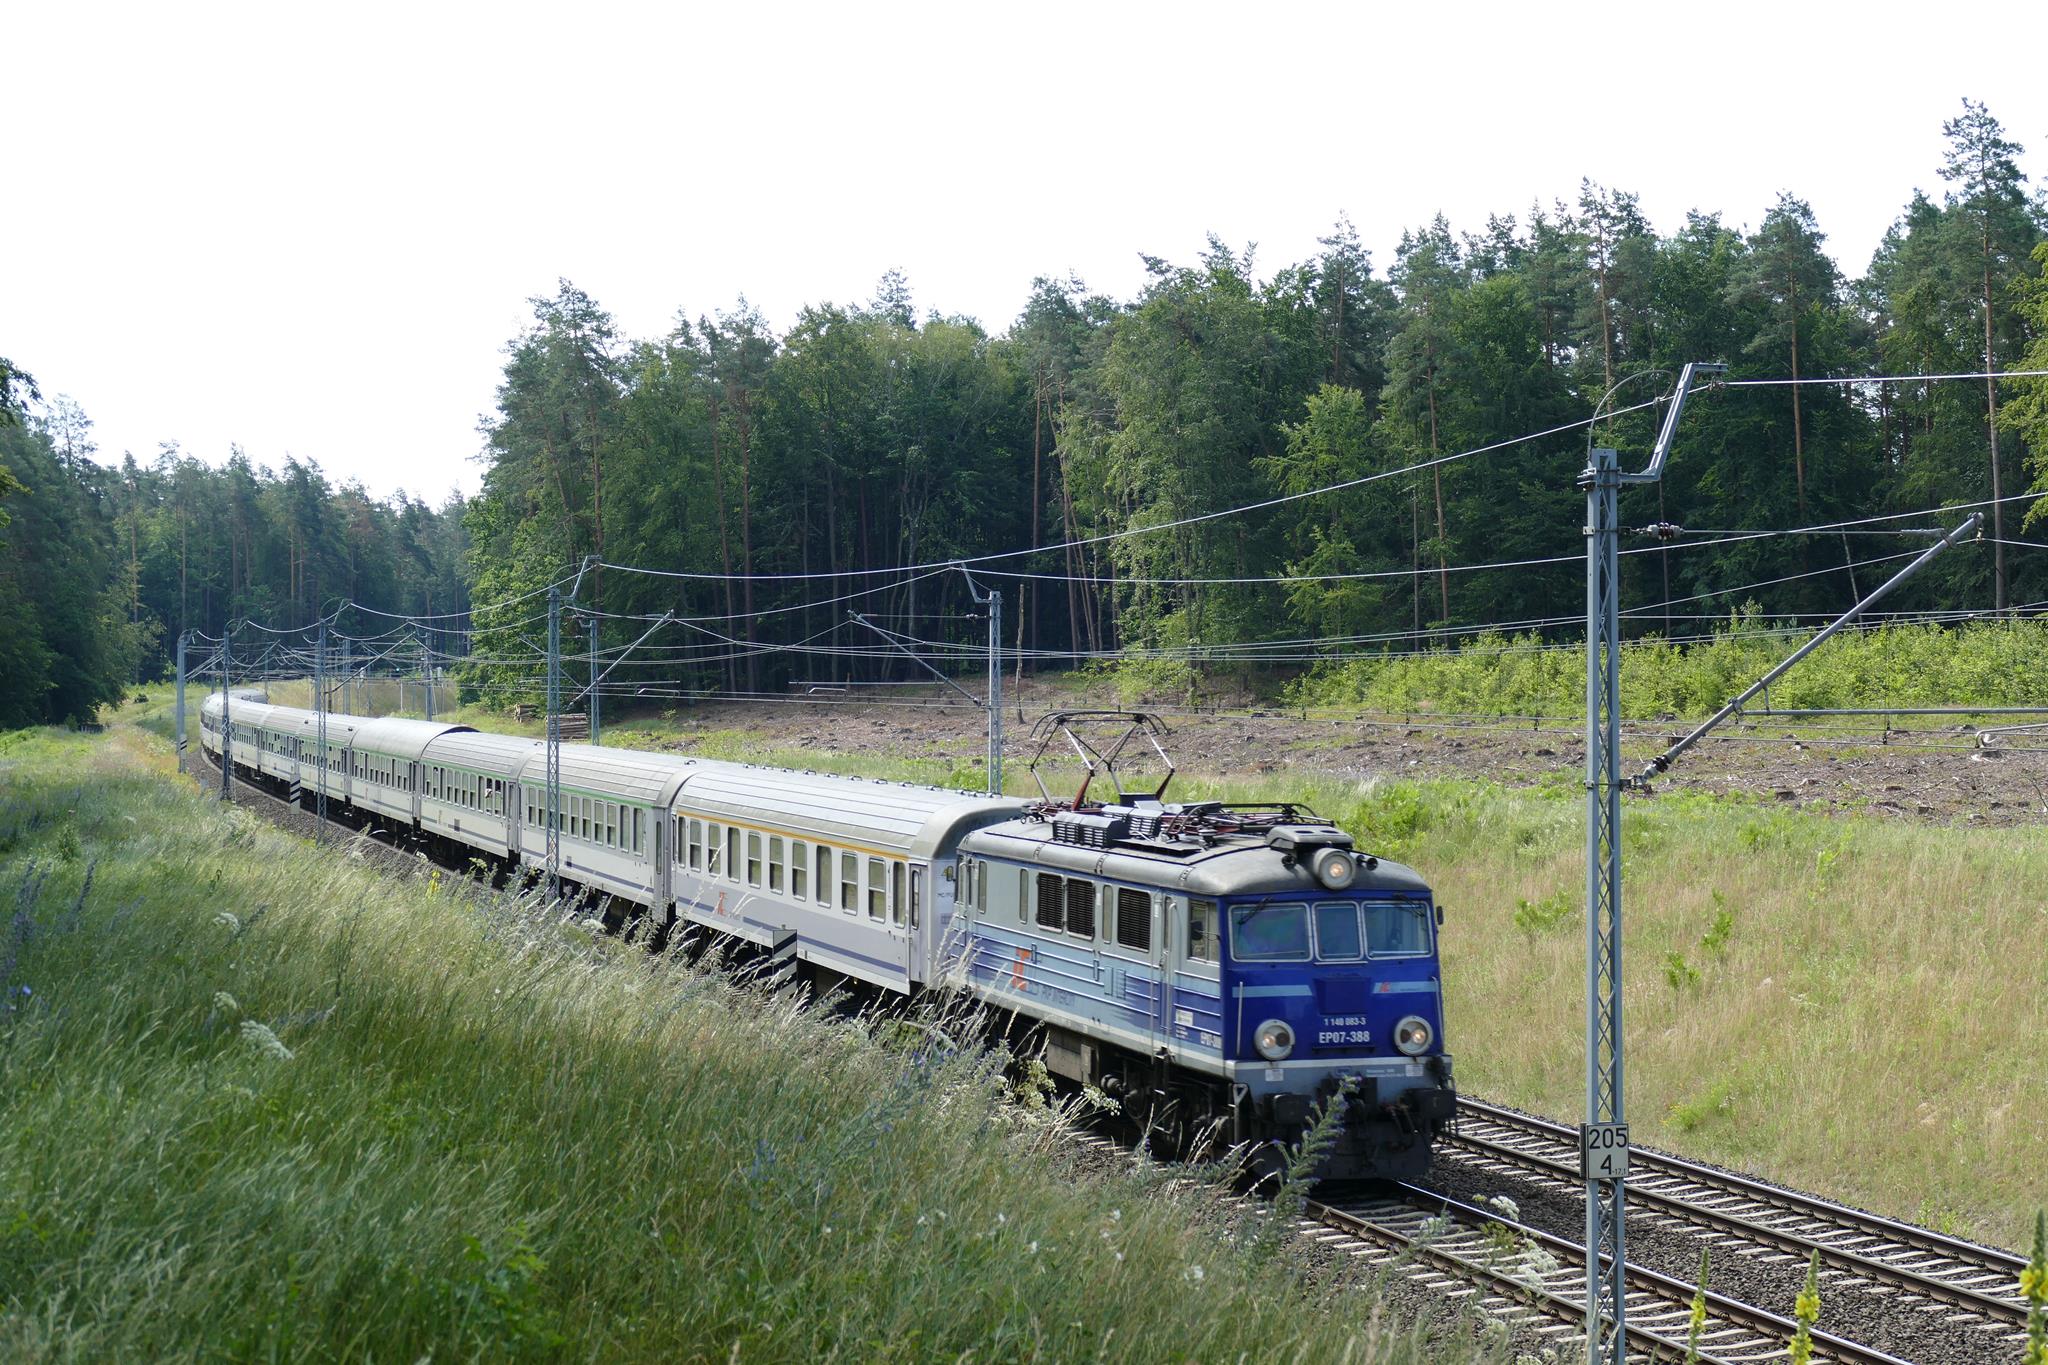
x=1603 y=1151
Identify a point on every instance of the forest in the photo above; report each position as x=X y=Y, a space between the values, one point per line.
x=101 y=566
x=763 y=483
x=778 y=479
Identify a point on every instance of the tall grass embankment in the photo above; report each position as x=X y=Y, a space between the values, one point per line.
x=268 y=1101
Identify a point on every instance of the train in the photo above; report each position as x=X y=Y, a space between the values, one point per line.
x=1225 y=972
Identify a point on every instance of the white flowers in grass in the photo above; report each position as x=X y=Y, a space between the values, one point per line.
x=229 y=920
x=1506 y=1207
x=225 y=1003
x=1195 y=1274
x=264 y=1041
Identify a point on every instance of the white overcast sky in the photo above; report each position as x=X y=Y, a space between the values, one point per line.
x=310 y=229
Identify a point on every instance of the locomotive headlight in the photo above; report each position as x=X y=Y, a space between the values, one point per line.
x=1335 y=868
x=1413 y=1035
x=1274 y=1040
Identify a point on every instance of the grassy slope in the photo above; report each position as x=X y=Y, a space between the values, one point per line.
x=498 y=1135
x=1867 y=1022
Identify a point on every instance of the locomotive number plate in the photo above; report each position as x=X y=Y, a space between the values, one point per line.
x=1603 y=1151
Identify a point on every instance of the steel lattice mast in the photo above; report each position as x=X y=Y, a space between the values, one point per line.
x=1604 y=1136
x=553 y=797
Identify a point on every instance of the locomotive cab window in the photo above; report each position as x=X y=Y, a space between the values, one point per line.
x=1337 y=932
x=1272 y=932
x=1397 y=928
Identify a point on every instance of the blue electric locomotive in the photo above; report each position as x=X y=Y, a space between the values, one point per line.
x=1216 y=968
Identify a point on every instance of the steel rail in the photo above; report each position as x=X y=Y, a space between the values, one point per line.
x=1570 y=1307
x=1790 y=1201
x=2008 y=1311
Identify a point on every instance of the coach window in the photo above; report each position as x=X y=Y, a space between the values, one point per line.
x=821 y=874
x=1080 y=908
x=799 y=869
x=899 y=899
x=916 y=893
x=1133 y=919
x=697 y=844
x=714 y=844
x=1201 y=931
x=753 y=859
x=775 y=856
x=877 y=889
x=732 y=852
x=849 y=883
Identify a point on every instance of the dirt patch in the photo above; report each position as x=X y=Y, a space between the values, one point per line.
x=1912 y=769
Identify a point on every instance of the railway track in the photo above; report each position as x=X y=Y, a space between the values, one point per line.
x=1536 y=1281
x=1920 y=1268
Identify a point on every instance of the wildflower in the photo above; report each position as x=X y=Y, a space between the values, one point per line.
x=1119 y=1257
x=593 y=924
x=1116 y=1215
x=264 y=1041
x=1697 y=1323
x=1194 y=1274
x=2034 y=1284
x=226 y=1003
x=1031 y=1250
x=1806 y=1311
x=1508 y=1208
x=1001 y=1218
x=229 y=920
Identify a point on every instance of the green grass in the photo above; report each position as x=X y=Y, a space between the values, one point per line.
x=1845 y=1004
x=269 y=1102
x=1972 y=665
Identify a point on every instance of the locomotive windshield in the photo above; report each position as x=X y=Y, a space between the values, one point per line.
x=1344 y=931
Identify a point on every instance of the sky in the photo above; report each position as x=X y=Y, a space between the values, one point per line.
x=309 y=230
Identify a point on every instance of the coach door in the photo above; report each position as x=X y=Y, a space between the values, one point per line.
x=921 y=918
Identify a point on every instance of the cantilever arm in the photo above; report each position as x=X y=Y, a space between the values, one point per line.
x=1662 y=762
